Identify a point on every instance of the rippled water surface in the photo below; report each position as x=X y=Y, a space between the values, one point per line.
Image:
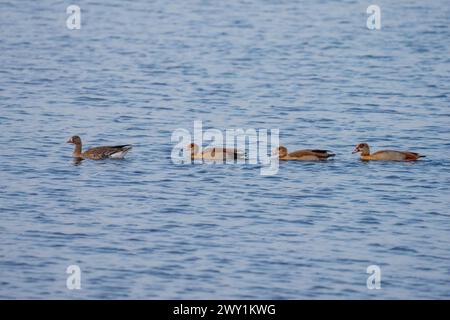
x=146 y=228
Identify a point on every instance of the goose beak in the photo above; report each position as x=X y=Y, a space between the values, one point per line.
x=69 y=140
x=274 y=151
x=356 y=150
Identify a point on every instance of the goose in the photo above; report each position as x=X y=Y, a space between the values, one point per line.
x=385 y=155
x=98 y=153
x=306 y=155
x=214 y=153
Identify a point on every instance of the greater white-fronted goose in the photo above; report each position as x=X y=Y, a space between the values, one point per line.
x=98 y=153
x=305 y=155
x=214 y=153
x=385 y=155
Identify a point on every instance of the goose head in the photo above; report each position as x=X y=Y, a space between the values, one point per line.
x=192 y=148
x=363 y=148
x=280 y=152
x=74 y=140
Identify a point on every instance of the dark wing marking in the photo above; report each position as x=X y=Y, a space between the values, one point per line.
x=124 y=146
x=319 y=151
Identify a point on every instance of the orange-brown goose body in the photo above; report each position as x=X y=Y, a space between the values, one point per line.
x=98 y=153
x=304 y=155
x=214 y=153
x=385 y=155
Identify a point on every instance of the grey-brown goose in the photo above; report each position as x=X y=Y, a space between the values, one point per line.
x=98 y=153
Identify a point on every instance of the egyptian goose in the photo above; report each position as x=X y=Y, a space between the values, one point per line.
x=98 y=153
x=386 y=155
x=307 y=155
x=214 y=153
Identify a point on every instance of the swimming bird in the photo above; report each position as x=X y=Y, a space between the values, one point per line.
x=214 y=153
x=98 y=153
x=385 y=155
x=306 y=155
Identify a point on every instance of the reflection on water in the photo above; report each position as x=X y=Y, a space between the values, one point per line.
x=77 y=161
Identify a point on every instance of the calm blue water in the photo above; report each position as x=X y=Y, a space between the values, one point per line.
x=146 y=228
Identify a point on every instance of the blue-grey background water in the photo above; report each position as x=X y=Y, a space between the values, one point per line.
x=146 y=228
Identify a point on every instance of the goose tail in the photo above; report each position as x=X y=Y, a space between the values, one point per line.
x=121 y=152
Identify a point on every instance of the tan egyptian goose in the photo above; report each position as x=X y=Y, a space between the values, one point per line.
x=386 y=155
x=214 y=153
x=306 y=155
x=98 y=153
